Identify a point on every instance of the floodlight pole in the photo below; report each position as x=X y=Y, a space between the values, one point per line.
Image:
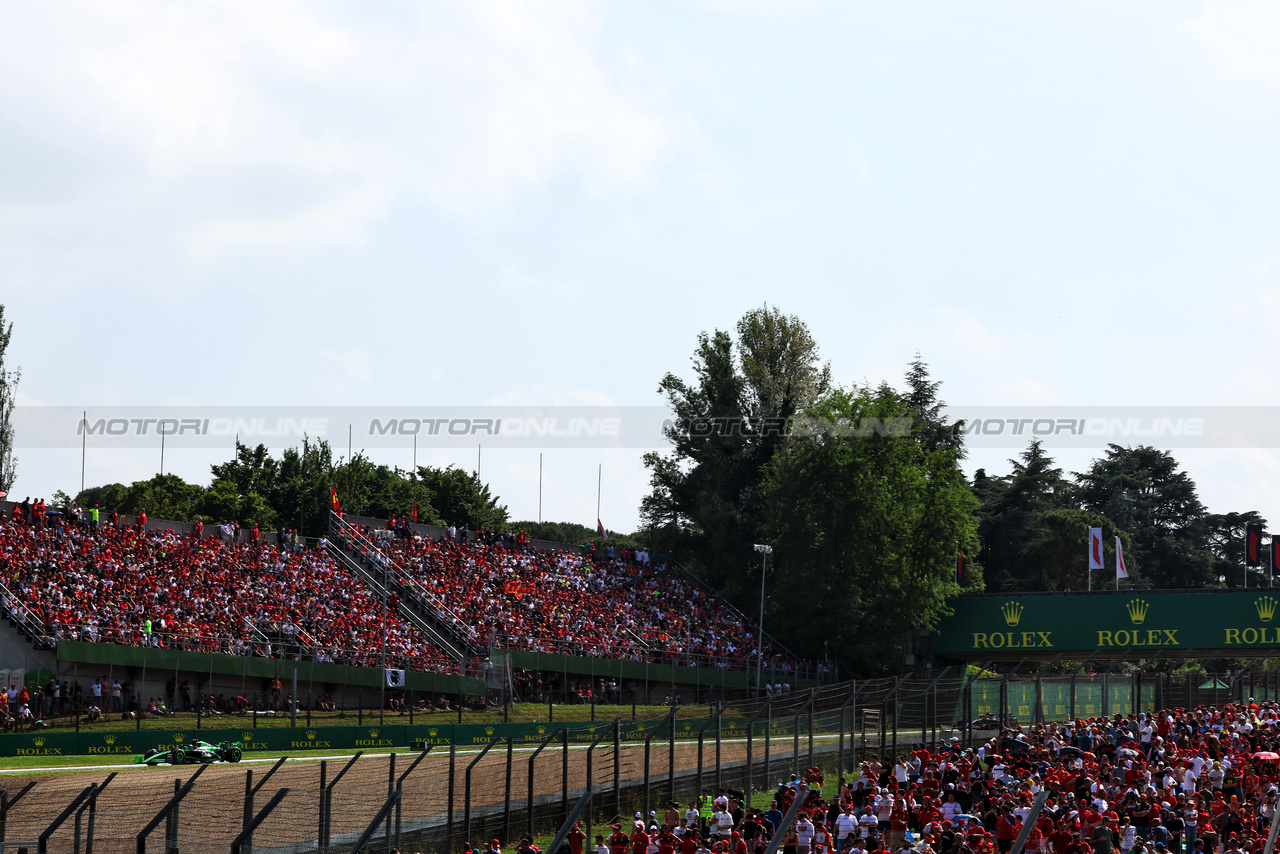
x=765 y=551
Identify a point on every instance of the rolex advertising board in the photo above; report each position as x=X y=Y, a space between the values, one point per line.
x=1142 y=621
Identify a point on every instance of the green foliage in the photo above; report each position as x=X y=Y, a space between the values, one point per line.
x=574 y=534
x=865 y=530
x=706 y=496
x=293 y=492
x=459 y=498
x=1143 y=491
x=1225 y=539
x=165 y=496
x=107 y=498
x=1033 y=536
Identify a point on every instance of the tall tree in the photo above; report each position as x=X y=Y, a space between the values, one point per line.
x=1145 y=493
x=1225 y=539
x=9 y=379
x=460 y=498
x=726 y=425
x=866 y=526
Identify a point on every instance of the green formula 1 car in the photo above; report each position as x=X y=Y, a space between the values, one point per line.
x=195 y=753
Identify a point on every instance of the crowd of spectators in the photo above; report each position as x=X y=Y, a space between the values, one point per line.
x=504 y=593
x=87 y=576
x=133 y=585
x=1172 y=782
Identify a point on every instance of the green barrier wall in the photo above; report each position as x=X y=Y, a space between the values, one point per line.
x=274 y=739
x=1055 y=699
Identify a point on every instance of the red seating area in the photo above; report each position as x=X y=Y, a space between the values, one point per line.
x=199 y=594
x=557 y=601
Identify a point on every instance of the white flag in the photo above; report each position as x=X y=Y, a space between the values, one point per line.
x=395 y=678
x=1097 y=560
x=1121 y=571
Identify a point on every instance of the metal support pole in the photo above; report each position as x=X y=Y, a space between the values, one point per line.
x=453 y=759
x=591 y=748
x=506 y=807
x=532 y=759
x=648 y=743
x=617 y=765
x=671 y=754
x=466 y=804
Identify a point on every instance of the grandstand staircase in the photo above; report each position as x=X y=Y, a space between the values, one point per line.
x=370 y=563
x=30 y=644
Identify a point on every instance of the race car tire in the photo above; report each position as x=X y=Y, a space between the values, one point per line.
x=233 y=754
x=176 y=757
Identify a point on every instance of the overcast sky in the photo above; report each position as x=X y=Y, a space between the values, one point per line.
x=426 y=203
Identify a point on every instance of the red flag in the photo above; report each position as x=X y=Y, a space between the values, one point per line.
x=1253 y=545
x=333 y=496
x=1122 y=571
x=415 y=510
x=959 y=567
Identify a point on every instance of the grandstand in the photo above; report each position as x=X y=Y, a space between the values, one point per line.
x=460 y=617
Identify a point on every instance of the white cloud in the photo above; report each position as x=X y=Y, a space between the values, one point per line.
x=516 y=280
x=216 y=125
x=1241 y=38
x=1025 y=390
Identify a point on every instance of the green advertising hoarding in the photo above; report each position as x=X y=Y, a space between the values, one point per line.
x=126 y=742
x=1110 y=622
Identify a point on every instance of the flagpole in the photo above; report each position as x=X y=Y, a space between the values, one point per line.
x=599 y=481
x=539 y=488
x=415 y=476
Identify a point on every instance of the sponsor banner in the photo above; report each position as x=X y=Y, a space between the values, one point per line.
x=1110 y=621
x=38 y=744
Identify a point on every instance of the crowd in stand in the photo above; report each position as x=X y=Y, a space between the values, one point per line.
x=509 y=595
x=131 y=585
x=1167 y=783
x=87 y=576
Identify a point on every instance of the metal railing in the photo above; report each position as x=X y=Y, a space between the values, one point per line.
x=444 y=615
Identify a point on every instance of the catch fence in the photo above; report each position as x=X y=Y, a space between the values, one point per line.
x=511 y=783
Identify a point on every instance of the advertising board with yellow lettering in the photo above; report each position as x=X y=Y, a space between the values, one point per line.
x=1043 y=626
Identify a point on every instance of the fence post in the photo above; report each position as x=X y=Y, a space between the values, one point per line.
x=171 y=825
x=719 y=734
x=590 y=760
x=453 y=755
x=506 y=809
x=93 y=813
x=320 y=834
x=671 y=753
x=248 y=806
x=813 y=695
x=648 y=742
x=768 y=743
x=532 y=759
x=617 y=765
x=564 y=773
x=466 y=803
x=751 y=731
x=327 y=795
x=391 y=790
x=896 y=706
